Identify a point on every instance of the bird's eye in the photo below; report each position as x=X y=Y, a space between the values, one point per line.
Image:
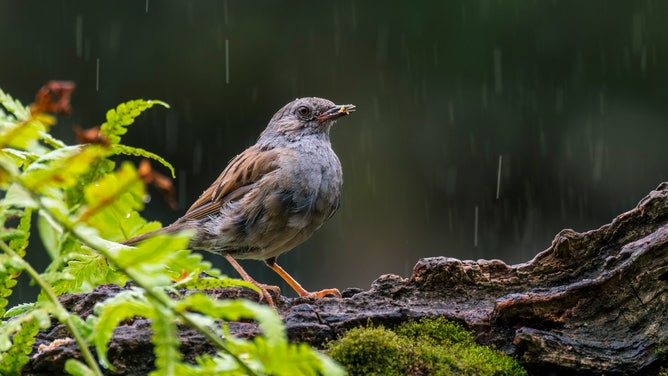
x=304 y=112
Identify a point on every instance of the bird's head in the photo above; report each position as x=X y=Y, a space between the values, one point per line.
x=305 y=116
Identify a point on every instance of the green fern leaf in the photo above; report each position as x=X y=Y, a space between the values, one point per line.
x=233 y=310
x=278 y=357
x=76 y=368
x=166 y=343
x=83 y=271
x=14 y=107
x=19 y=309
x=139 y=152
x=17 y=336
x=51 y=141
x=123 y=115
x=195 y=282
x=121 y=192
x=111 y=312
x=9 y=272
x=24 y=135
x=61 y=168
x=160 y=259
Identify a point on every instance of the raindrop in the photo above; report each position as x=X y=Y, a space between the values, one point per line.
x=227 y=61
x=97 y=74
x=498 y=177
x=146 y=6
x=475 y=228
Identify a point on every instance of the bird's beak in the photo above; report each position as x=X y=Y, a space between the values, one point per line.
x=336 y=112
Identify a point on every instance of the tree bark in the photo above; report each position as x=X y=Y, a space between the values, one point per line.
x=592 y=303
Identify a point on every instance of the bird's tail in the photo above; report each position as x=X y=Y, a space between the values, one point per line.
x=138 y=239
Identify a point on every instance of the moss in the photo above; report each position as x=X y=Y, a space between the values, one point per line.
x=427 y=347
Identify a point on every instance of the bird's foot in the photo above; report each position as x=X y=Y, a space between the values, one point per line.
x=323 y=293
x=265 y=295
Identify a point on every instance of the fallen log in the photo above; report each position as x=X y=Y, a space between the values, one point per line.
x=592 y=303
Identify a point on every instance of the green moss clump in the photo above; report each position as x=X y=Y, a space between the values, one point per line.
x=427 y=347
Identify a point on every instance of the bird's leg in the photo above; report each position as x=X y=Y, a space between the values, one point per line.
x=263 y=288
x=271 y=262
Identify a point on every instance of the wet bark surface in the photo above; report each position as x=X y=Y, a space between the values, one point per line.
x=592 y=303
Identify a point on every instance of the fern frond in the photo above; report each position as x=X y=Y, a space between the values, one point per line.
x=14 y=107
x=234 y=310
x=166 y=343
x=123 y=115
x=51 y=141
x=86 y=269
x=20 y=243
x=17 y=337
x=10 y=270
x=196 y=283
x=76 y=368
x=109 y=190
x=139 y=152
x=111 y=312
x=159 y=260
x=61 y=168
x=25 y=134
x=18 y=309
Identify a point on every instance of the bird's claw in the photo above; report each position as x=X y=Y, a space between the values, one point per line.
x=323 y=293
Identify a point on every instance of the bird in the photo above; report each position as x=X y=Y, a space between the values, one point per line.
x=273 y=196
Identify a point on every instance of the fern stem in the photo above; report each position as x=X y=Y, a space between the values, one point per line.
x=62 y=312
x=161 y=298
x=164 y=300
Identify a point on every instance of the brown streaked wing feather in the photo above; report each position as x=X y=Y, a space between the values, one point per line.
x=234 y=182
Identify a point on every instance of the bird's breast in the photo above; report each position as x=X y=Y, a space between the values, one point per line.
x=314 y=186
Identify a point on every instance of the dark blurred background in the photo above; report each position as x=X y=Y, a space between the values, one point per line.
x=484 y=127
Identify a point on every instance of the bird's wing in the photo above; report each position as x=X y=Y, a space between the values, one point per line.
x=235 y=181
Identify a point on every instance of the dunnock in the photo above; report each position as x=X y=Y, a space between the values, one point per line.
x=274 y=195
